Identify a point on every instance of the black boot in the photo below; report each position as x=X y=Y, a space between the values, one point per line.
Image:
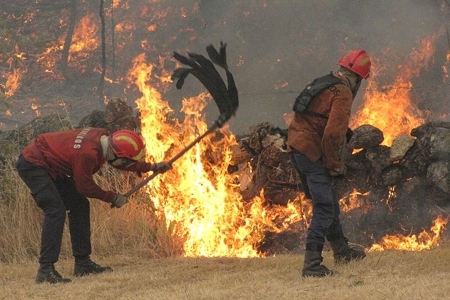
x=313 y=258
x=85 y=266
x=47 y=273
x=344 y=253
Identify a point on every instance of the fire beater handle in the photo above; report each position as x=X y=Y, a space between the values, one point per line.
x=217 y=124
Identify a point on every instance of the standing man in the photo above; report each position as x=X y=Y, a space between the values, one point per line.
x=58 y=169
x=317 y=138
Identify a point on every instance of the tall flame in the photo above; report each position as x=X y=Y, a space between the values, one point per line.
x=197 y=199
x=389 y=108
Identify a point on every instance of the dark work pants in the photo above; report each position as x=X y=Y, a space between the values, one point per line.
x=54 y=197
x=325 y=220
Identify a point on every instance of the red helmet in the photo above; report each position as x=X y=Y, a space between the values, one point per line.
x=357 y=61
x=127 y=144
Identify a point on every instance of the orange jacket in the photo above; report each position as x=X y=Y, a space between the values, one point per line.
x=317 y=137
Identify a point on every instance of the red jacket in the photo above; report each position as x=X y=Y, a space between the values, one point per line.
x=77 y=153
x=317 y=137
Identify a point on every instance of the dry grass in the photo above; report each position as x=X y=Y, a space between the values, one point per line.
x=381 y=275
x=114 y=231
x=147 y=263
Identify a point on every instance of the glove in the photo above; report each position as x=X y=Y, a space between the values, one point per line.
x=119 y=201
x=162 y=167
x=143 y=167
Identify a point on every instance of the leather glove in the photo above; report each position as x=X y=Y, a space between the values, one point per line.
x=162 y=167
x=339 y=172
x=144 y=167
x=119 y=201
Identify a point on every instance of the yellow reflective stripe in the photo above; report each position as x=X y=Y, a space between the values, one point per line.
x=364 y=61
x=128 y=139
x=139 y=156
x=134 y=144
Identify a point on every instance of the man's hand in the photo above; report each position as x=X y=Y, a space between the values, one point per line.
x=162 y=167
x=144 y=167
x=119 y=201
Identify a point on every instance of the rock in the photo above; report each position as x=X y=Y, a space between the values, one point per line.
x=392 y=176
x=26 y=133
x=400 y=145
x=415 y=161
x=95 y=119
x=117 y=115
x=257 y=140
x=423 y=131
x=239 y=154
x=366 y=136
x=438 y=174
x=379 y=157
x=272 y=156
x=433 y=139
x=116 y=109
x=439 y=143
x=414 y=184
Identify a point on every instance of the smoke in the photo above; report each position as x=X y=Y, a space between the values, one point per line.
x=275 y=47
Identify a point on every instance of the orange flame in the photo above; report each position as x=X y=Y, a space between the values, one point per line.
x=354 y=200
x=84 y=41
x=84 y=38
x=197 y=199
x=13 y=79
x=424 y=241
x=389 y=108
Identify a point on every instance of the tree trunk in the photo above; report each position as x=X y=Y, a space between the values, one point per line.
x=102 y=77
x=68 y=41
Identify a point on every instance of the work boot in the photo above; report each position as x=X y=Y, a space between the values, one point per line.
x=312 y=266
x=47 y=273
x=86 y=266
x=344 y=252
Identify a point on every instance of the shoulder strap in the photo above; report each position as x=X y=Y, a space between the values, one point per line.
x=319 y=85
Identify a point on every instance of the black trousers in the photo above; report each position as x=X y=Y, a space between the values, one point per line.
x=325 y=222
x=55 y=197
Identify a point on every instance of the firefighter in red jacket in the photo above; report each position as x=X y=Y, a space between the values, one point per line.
x=316 y=146
x=58 y=169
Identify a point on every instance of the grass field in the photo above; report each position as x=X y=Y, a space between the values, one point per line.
x=381 y=275
x=148 y=263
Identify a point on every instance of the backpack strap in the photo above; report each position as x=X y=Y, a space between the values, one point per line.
x=322 y=83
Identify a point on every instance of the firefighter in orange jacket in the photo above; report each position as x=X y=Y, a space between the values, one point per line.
x=58 y=169
x=316 y=145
